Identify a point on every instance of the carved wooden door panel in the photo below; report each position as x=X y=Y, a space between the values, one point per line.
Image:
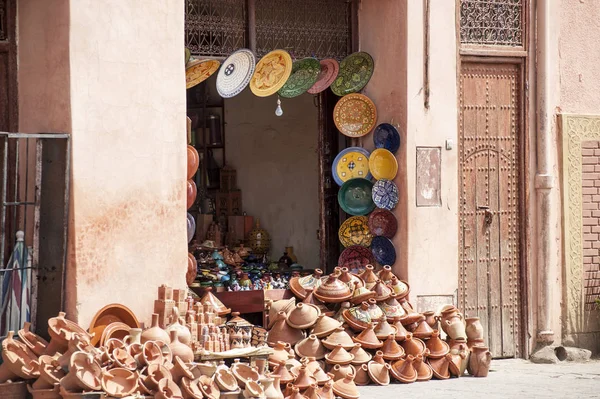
x=489 y=233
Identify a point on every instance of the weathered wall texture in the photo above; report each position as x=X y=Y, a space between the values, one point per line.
x=127 y=233
x=277 y=169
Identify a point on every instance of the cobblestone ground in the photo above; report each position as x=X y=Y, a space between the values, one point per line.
x=513 y=378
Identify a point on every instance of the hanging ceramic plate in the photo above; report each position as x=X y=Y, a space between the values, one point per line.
x=304 y=75
x=383 y=223
x=355 y=72
x=235 y=74
x=351 y=162
x=271 y=73
x=383 y=164
x=329 y=71
x=191 y=227
x=355 y=197
x=355 y=115
x=188 y=55
x=385 y=194
x=383 y=251
x=355 y=258
x=387 y=136
x=355 y=231
x=197 y=71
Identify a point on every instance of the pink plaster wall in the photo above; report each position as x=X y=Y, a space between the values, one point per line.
x=127 y=229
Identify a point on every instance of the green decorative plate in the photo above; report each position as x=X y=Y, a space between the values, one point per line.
x=355 y=72
x=305 y=73
x=355 y=197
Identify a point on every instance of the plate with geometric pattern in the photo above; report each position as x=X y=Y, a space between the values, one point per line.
x=355 y=231
x=236 y=72
x=351 y=162
x=355 y=115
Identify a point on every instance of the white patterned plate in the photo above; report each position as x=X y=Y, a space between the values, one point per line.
x=235 y=73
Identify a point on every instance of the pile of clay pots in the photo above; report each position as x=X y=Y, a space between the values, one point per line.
x=353 y=330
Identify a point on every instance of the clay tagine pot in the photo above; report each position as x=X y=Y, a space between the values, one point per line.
x=310 y=299
x=361 y=294
x=285 y=377
x=379 y=373
x=294 y=393
x=391 y=308
x=479 y=362
x=368 y=339
x=403 y=370
x=304 y=378
x=333 y=290
x=179 y=369
x=437 y=347
x=324 y=326
x=391 y=350
x=339 y=371
x=326 y=391
x=18 y=361
x=119 y=382
x=208 y=387
x=382 y=291
x=244 y=373
x=346 y=388
x=61 y=331
x=214 y=302
x=374 y=310
x=155 y=333
x=339 y=355
x=282 y=331
x=385 y=274
x=339 y=336
x=424 y=371
x=191 y=389
x=383 y=329
x=401 y=332
x=413 y=346
x=124 y=360
x=379 y=357
x=34 y=342
x=253 y=390
x=399 y=287
x=423 y=330
x=368 y=276
x=443 y=367
x=362 y=375
x=279 y=354
x=180 y=350
x=310 y=346
x=50 y=373
x=361 y=356
x=312 y=392
x=350 y=279
x=282 y=305
x=358 y=317
x=303 y=316
x=84 y=374
x=298 y=285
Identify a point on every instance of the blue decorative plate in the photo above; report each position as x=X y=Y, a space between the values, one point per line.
x=383 y=250
x=355 y=197
x=348 y=164
x=385 y=194
x=387 y=136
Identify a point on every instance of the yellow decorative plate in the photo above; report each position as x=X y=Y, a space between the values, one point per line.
x=355 y=115
x=271 y=73
x=198 y=71
x=355 y=231
x=350 y=163
x=383 y=164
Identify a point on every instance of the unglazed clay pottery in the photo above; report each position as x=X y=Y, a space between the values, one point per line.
x=437 y=347
x=382 y=291
x=333 y=290
x=191 y=389
x=423 y=330
x=312 y=392
x=168 y=389
x=379 y=357
x=471 y=343
x=84 y=374
x=324 y=326
x=183 y=333
x=383 y=329
x=304 y=378
x=450 y=314
x=282 y=305
x=208 y=387
x=479 y=362
x=339 y=314
x=179 y=349
x=294 y=393
x=326 y=391
x=339 y=371
x=151 y=354
x=123 y=359
x=374 y=310
x=154 y=374
x=339 y=336
x=298 y=285
x=282 y=371
x=346 y=388
x=399 y=287
x=303 y=316
x=119 y=382
x=350 y=278
x=212 y=300
x=310 y=299
x=379 y=373
x=34 y=342
x=50 y=393
x=18 y=361
x=460 y=353
x=279 y=354
x=155 y=333
x=310 y=346
x=179 y=369
x=368 y=339
x=60 y=331
x=403 y=370
x=368 y=276
x=282 y=331
x=50 y=373
x=339 y=355
x=357 y=317
x=244 y=373
x=272 y=387
x=226 y=380
x=455 y=329
x=431 y=319
x=391 y=350
x=424 y=371
x=385 y=274
x=361 y=356
x=474 y=328
x=441 y=366
x=413 y=346
x=362 y=375
x=400 y=329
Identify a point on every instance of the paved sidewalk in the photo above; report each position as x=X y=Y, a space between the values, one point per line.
x=512 y=378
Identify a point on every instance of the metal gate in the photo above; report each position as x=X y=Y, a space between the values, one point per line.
x=489 y=236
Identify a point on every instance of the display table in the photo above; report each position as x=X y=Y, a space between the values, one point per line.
x=262 y=353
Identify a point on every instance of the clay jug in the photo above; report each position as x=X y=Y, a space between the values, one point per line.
x=183 y=333
x=455 y=328
x=362 y=375
x=272 y=388
x=431 y=319
x=449 y=314
x=178 y=349
x=155 y=333
x=281 y=331
x=479 y=363
x=474 y=328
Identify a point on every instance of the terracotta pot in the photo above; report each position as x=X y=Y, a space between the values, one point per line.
x=179 y=370
x=312 y=392
x=253 y=389
x=368 y=276
x=413 y=346
x=474 y=328
x=183 y=333
x=350 y=279
x=346 y=388
x=285 y=377
x=123 y=359
x=208 y=387
x=34 y=342
x=193 y=161
x=385 y=274
x=424 y=371
x=368 y=339
x=18 y=361
x=310 y=299
x=244 y=373
x=310 y=346
x=479 y=363
x=303 y=316
x=379 y=357
x=299 y=284
x=339 y=371
x=454 y=329
x=295 y=393
x=382 y=291
x=399 y=287
x=383 y=329
x=362 y=375
x=324 y=326
x=379 y=373
x=361 y=356
x=333 y=290
x=179 y=349
x=401 y=332
x=119 y=382
x=168 y=389
x=374 y=310
x=51 y=393
x=279 y=354
x=471 y=343
x=272 y=388
x=441 y=366
x=391 y=350
x=282 y=331
x=431 y=319
x=320 y=375
x=423 y=330
x=437 y=347
x=460 y=353
x=326 y=391
x=403 y=370
x=304 y=378
x=190 y=389
x=155 y=333
x=151 y=354
x=339 y=355
x=84 y=374
x=154 y=374
x=50 y=373
x=361 y=294
x=391 y=308
x=339 y=336
x=357 y=317
x=226 y=380
x=450 y=313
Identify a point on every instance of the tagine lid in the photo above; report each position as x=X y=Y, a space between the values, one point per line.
x=357 y=317
x=436 y=346
x=391 y=350
x=217 y=305
x=424 y=371
x=379 y=373
x=325 y=325
x=339 y=336
x=361 y=294
x=298 y=285
x=423 y=330
x=310 y=346
x=303 y=316
x=382 y=291
x=440 y=367
x=406 y=374
x=384 y=329
x=339 y=355
x=346 y=388
x=332 y=290
x=413 y=346
x=361 y=356
x=368 y=339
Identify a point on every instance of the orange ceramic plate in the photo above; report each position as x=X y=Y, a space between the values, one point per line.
x=110 y=314
x=198 y=71
x=355 y=115
x=193 y=161
x=271 y=73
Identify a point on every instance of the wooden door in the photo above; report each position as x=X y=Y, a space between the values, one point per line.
x=489 y=167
